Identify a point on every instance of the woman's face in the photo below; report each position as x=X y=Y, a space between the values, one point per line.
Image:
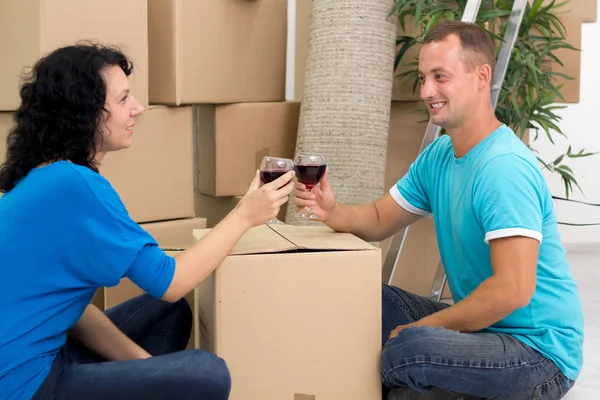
x=116 y=130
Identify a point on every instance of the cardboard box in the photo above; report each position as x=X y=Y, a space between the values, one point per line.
x=295 y=310
x=178 y=231
x=215 y=51
x=214 y=209
x=302 y=33
x=571 y=17
x=589 y=10
x=233 y=139
x=30 y=29
x=155 y=177
x=6 y=122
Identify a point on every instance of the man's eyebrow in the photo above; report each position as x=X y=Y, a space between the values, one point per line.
x=433 y=70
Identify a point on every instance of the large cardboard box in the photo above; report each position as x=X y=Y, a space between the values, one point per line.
x=215 y=51
x=295 y=310
x=233 y=139
x=178 y=231
x=301 y=40
x=214 y=209
x=571 y=17
x=155 y=177
x=6 y=122
x=30 y=29
x=589 y=10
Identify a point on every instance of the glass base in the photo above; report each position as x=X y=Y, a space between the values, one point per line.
x=275 y=221
x=306 y=213
x=310 y=216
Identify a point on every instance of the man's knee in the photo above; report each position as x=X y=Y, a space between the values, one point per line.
x=412 y=346
x=209 y=374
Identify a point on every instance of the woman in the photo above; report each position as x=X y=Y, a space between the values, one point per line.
x=64 y=232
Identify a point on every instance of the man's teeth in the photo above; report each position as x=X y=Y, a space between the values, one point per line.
x=437 y=105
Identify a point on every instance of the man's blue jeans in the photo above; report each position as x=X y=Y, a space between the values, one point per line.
x=163 y=329
x=482 y=365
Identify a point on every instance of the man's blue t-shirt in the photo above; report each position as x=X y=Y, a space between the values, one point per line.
x=497 y=190
x=64 y=232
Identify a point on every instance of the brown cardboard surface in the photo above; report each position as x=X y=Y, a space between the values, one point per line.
x=281 y=312
x=282 y=238
x=320 y=238
x=124 y=291
x=6 y=123
x=418 y=262
x=178 y=231
x=589 y=10
x=215 y=51
x=214 y=209
x=303 y=13
x=258 y=240
x=155 y=176
x=31 y=29
x=233 y=139
x=571 y=17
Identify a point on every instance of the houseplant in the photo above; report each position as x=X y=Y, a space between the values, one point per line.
x=530 y=88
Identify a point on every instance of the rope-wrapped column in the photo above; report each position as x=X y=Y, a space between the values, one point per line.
x=345 y=107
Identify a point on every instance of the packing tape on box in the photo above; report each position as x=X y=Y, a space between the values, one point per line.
x=300 y=396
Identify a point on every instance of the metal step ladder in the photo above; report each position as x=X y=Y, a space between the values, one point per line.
x=433 y=131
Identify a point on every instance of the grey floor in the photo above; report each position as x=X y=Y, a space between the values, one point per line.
x=585 y=266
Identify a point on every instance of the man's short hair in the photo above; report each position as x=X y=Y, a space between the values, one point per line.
x=475 y=42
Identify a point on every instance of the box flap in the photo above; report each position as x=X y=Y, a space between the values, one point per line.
x=260 y=239
x=320 y=238
x=280 y=238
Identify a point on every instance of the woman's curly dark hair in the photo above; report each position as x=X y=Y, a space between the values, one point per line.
x=62 y=107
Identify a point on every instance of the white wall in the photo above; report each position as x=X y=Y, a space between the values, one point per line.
x=580 y=123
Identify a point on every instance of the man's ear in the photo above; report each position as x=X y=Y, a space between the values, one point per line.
x=484 y=76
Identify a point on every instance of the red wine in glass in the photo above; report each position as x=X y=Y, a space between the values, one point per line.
x=269 y=175
x=272 y=168
x=310 y=175
x=310 y=168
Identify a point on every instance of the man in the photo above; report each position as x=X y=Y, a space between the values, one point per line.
x=516 y=328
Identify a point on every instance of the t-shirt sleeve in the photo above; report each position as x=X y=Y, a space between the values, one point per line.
x=116 y=246
x=509 y=198
x=410 y=191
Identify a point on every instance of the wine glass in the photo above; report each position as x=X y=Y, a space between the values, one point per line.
x=272 y=168
x=310 y=168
